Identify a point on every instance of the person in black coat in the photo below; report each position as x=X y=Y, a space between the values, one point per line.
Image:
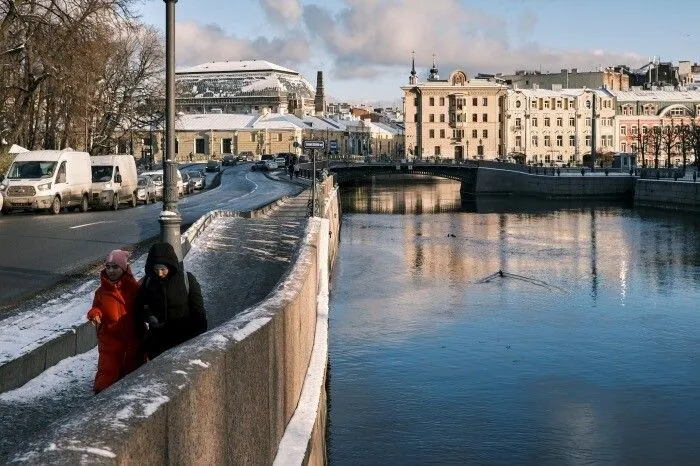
x=170 y=307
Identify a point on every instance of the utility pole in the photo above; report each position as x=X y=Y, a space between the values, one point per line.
x=170 y=218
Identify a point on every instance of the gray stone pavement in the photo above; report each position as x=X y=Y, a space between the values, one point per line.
x=240 y=261
x=237 y=261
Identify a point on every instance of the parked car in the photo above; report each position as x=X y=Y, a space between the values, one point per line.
x=229 y=159
x=246 y=155
x=157 y=176
x=271 y=165
x=198 y=180
x=258 y=166
x=188 y=183
x=281 y=161
x=213 y=166
x=146 y=190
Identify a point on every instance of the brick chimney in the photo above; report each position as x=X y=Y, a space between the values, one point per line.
x=320 y=99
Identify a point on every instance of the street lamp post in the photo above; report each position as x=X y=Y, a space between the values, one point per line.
x=170 y=218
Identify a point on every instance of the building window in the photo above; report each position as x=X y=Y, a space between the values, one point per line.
x=547 y=158
x=177 y=147
x=431 y=101
x=518 y=142
x=572 y=141
x=485 y=101
x=415 y=117
x=485 y=133
x=475 y=101
x=610 y=140
x=623 y=130
x=546 y=121
x=572 y=121
x=634 y=130
x=588 y=122
x=535 y=142
x=534 y=122
x=560 y=122
x=560 y=141
x=475 y=117
x=199 y=146
x=558 y=103
x=431 y=118
x=442 y=101
x=431 y=133
x=252 y=137
x=588 y=140
x=475 y=134
x=442 y=133
x=518 y=122
x=547 y=141
x=484 y=117
x=546 y=103
x=442 y=118
x=437 y=150
x=279 y=137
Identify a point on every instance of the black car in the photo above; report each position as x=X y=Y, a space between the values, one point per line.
x=258 y=166
x=213 y=166
x=229 y=159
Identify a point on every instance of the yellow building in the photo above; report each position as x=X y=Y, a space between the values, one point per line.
x=456 y=118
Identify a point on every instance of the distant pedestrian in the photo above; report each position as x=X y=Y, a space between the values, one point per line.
x=296 y=170
x=170 y=306
x=290 y=169
x=191 y=156
x=119 y=349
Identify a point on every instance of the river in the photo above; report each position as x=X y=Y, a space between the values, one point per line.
x=512 y=331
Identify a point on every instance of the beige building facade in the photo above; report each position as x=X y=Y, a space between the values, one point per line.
x=556 y=127
x=457 y=118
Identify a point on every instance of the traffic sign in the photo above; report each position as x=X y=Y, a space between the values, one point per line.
x=314 y=144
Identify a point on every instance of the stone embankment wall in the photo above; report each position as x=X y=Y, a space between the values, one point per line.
x=490 y=181
x=666 y=194
x=229 y=396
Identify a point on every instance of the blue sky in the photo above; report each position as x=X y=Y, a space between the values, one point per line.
x=364 y=46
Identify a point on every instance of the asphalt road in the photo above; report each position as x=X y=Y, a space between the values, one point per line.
x=39 y=250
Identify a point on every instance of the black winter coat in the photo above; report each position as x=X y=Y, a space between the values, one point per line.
x=172 y=315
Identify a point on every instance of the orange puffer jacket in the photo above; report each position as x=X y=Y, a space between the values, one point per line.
x=114 y=305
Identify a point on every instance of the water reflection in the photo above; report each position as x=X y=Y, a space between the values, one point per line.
x=431 y=366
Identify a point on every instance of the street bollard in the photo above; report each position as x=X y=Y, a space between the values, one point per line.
x=606 y=172
x=695 y=176
x=583 y=171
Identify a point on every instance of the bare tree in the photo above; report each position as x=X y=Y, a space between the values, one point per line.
x=684 y=138
x=695 y=141
x=669 y=139
x=642 y=145
x=655 y=141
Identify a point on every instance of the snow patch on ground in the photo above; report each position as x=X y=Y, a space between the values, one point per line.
x=199 y=362
x=74 y=373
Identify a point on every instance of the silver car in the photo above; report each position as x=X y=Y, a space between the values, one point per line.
x=146 y=189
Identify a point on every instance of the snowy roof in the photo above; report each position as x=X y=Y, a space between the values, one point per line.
x=279 y=121
x=549 y=93
x=235 y=66
x=322 y=123
x=214 y=121
x=383 y=127
x=666 y=96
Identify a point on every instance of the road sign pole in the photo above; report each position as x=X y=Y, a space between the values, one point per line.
x=313 y=183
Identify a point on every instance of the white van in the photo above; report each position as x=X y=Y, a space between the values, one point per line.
x=48 y=179
x=114 y=180
x=157 y=176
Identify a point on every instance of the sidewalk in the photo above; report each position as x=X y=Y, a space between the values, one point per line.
x=238 y=261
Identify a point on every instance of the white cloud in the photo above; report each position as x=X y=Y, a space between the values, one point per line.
x=368 y=35
x=282 y=12
x=196 y=43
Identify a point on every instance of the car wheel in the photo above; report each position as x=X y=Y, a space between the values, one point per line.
x=84 y=204
x=115 y=201
x=55 y=208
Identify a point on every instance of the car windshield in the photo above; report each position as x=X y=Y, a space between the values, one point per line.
x=142 y=182
x=194 y=174
x=157 y=179
x=101 y=173
x=33 y=169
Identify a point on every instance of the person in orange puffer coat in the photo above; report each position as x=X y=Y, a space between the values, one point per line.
x=120 y=350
